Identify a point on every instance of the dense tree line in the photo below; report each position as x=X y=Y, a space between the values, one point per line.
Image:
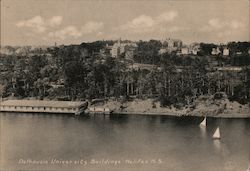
x=79 y=72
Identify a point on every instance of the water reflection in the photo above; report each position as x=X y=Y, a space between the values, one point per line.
x=217 y=145
x=203 y=132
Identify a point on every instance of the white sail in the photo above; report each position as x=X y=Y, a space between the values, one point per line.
x=204 y=122
x=248 y=167
x=217 y=133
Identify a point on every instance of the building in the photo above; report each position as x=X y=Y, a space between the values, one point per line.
x=184 y=50
x=7 y=50
x=42 y=106
x=194 y=48
x=225 y=52
x=139 y=66
x=98 y=110
x=229 y=69
x=171 y=45
x=162 y=51
x=215 y=51
x=130 y=53
x=115 y=51
x=120 y=48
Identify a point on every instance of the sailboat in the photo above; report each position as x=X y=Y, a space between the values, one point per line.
x=204 y=122
x=216 y=134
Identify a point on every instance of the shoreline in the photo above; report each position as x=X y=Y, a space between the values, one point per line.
x=224 y=116
x=209 y=108
x=228 y=116
x=215 y=109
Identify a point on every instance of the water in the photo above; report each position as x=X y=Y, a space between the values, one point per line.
x=122 y=142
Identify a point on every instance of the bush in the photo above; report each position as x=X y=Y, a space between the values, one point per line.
x=167 y=101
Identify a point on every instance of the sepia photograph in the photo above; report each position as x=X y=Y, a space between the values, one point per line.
x=125 y=85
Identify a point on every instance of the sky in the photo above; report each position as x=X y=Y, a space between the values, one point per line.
x=44 y=22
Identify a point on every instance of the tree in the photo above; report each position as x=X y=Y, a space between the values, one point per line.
x=75 y=74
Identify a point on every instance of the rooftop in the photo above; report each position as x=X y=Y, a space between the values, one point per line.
x=40 y=103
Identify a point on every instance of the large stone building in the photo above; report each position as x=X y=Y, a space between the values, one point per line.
x=126 y=49
x=170 y=45
x=115 y=51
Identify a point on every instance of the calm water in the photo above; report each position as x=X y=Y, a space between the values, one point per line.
x=125 y=142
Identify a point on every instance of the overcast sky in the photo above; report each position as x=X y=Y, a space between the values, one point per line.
x=44 y=22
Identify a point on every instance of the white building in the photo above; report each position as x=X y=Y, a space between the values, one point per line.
x=115 y=51
x=184 y=51
x=162 y=51
x=215 y=51
x=225 y=52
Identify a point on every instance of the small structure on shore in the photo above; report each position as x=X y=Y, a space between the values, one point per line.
x=43 y=106
x=98 y=110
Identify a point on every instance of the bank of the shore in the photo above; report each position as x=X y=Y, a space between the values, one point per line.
x=241 y=115
x=203 y=106
x=222 y=108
